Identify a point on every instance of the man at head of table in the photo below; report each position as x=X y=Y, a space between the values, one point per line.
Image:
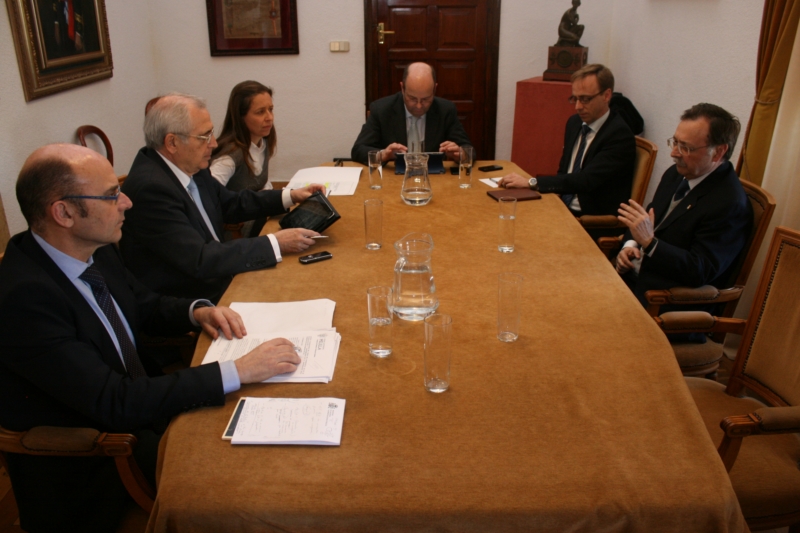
x=70 y=318
x=414 y=115
x=171 y=238
x=595 y=173
x=698 y=222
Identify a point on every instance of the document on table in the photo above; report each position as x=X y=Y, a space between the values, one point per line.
x=491 y=182
x=261 y=319
x=340 y=181
x=318 y=351
x=287 y=421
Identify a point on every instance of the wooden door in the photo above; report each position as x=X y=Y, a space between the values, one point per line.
x=458 y=37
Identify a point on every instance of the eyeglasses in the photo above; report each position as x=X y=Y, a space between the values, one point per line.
x=206 y=138
x=112 y=198
x=583 y=99
x=682 y=148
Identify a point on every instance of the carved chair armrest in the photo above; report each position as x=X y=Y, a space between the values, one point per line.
x=610 y=245
x=84 y=442
x=766 y=421
x=705 y=295
x=698 y=322
x=600 y=221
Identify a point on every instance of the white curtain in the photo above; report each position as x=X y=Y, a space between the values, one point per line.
x=781 y=178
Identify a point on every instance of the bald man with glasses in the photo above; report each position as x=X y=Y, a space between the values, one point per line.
x=595 y=173
x=172 y=237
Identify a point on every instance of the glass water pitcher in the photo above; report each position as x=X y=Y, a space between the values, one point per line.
x=416 y=185
x=414 y=290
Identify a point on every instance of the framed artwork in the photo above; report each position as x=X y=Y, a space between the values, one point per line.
x=252 y=27
x=60 y=44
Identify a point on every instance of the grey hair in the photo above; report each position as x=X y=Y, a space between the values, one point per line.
x=170 y=114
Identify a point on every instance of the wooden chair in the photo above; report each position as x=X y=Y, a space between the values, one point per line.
x=82 y=442
x=703 y=359
x=763 y=468
x=646 y=152
x=83 y=131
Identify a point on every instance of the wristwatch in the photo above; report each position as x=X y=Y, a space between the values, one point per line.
x=533 y=184
x=650 y=246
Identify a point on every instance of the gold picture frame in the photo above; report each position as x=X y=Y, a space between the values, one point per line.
x=60 y=44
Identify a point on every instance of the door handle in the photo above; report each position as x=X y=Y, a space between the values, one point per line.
x=382 y=32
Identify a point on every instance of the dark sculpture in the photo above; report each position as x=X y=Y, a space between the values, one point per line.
x=569 y=31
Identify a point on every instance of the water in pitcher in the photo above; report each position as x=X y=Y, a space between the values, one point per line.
x=414 y=288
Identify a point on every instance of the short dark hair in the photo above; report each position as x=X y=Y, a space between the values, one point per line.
x=43 y=182
x=405 y=73
x=605 y=79
x=723 y=128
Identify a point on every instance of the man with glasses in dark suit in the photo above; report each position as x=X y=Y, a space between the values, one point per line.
x=595 y=173
x=171 y=239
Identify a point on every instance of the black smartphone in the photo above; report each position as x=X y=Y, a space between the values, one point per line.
x=315 y=258
x=490 y=168
x=454 y=170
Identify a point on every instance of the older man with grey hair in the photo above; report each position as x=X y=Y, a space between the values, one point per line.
x=171 y=237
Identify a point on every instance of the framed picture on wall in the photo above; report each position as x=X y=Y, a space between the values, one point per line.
x=60 y=44
x=252 y=27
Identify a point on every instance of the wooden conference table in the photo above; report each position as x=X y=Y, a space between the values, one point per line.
x=583 y=424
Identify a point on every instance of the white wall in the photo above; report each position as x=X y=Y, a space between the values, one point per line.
x=669 y=55
x=115 y=105
x=665 y=55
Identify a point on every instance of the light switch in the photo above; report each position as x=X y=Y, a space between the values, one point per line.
x=340 y=46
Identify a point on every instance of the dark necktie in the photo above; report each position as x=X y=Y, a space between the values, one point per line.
x=576 y=166
x=95 y=279
x=682 y=190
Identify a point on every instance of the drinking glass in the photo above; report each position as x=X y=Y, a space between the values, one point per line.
x=466 y=158
x=373 y=223
x=509 y=301
x=505 y=232
x=379 y=301
x=438 y=336
x=375 y=174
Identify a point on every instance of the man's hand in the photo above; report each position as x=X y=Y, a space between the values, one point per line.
x=294 y=239
x=639 y=221
x=271 y=358
x=213 y=319
x=298 y=195
x=513 y=181
x=624 y=258
x=451 y=150
x=388 y=153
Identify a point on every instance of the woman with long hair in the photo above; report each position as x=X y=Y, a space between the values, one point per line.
x=246 y=144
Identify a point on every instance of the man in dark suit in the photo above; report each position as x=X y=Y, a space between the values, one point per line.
x=698 y=222
x=412 y=115
x=70 y=317
x=171 y=239
x=595 y=173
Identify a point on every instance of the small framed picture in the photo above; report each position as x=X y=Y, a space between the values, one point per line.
x=252 y=27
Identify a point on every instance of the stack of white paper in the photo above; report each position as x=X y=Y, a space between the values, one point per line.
x=317 y=346
x=340 y=181
x=287 y=421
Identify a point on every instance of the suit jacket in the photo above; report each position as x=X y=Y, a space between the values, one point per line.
x=700 y=240
x=386 y=124
x=166 y=243
x=605 y=178
x=59 y=367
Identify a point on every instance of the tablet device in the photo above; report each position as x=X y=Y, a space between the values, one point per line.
x=435 y=163
x=315 y=213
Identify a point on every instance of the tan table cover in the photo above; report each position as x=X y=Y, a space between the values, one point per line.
x=583 y=424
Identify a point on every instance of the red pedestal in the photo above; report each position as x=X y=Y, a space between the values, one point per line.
x=540 y=117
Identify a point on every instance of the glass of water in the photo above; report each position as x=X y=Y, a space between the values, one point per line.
x=375 y=175
x=379 y=301
x=438 y=336
x=505 y=232
x=466 y=159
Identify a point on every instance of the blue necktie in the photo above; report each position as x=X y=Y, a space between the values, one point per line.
x=97 y=282
x=576 y=166
x=682 y=190
x=195 y=194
